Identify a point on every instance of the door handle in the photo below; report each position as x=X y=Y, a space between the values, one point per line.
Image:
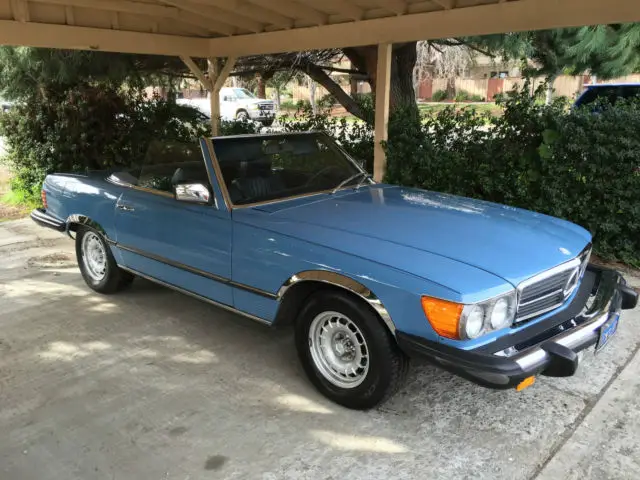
x=125 y=208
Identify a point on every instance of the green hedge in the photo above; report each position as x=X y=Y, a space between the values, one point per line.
x=91 y=127
x=582 y=165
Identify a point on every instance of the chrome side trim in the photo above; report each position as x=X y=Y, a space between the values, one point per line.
x=341 y=281
x=199 y=297
x=195 y=271
x=532 y=358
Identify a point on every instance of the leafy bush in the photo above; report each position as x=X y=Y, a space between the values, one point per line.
x=89 y=127
x=577 y=165
x=439 y=96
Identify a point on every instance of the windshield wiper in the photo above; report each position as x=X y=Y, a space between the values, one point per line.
x=350 y=179
x=364 y=179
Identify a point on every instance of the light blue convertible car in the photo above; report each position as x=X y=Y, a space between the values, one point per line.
x=288 y=230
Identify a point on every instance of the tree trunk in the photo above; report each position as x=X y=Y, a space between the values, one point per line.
x=262 y=86
x=312 y=95
x=277 y=99
x=549 y=95
x=403 y=61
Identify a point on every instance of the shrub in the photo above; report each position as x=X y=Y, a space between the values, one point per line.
x=88 y=127
x=576 y=165
x=439 y=96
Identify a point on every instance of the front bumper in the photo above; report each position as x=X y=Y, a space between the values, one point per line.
x=549 y=348
x=42 y=218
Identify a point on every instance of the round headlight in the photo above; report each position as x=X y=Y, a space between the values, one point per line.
x=475 y=321
x=500 y=316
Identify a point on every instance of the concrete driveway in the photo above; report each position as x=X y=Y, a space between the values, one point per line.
x=151 y=384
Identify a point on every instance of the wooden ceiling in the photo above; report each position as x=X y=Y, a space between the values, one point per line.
x=203 y=28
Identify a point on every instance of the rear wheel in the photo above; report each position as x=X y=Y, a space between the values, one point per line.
x=347 y=353
x=97 y=265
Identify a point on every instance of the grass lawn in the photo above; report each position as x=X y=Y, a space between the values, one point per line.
x=12 y=205
x=435 y=108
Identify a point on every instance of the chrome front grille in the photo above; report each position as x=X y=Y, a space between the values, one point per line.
x=549 y=290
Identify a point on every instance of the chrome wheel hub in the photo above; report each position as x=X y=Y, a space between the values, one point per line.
x=94 y=256
x=338 y=349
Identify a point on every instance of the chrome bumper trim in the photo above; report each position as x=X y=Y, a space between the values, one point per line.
x=536 y=356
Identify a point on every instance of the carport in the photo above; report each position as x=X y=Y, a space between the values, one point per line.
x=223 y=30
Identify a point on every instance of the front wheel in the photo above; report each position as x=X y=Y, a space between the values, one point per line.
x=347 y=353
x=267 y=122
x=97 y=265
x=242 y=115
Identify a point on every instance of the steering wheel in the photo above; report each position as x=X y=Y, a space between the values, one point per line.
x=322 y=171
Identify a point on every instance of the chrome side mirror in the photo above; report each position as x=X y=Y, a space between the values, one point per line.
x=192 y=193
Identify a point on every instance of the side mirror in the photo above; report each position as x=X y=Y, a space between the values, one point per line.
x=192 y=193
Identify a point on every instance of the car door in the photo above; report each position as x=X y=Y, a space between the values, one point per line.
x=227 y=105
x=181 y=244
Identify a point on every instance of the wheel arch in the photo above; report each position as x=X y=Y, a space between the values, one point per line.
x=75 y=220
x=293 y=293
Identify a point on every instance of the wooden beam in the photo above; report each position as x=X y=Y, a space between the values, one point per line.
x=294 y=9
x=115 y=21
x=345 y=8
x=255 y=12
x=224 y=73
x=383 y=81
x=68 y=15
x=152 y=10
x=521 y=15
x=199 y=74
x=213 y=67
x=446 y=4
x=398 y=7
x=20 y=9
x=118 y=6
x=33 y=34
x=216 y=14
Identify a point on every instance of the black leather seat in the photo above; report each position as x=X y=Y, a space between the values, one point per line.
x=258 y=181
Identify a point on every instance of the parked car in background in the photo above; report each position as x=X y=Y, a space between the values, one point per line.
x=612 y=93
x=288 y=230
x=237 y=104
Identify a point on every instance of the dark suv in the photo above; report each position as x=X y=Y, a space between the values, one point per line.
x=611 y=92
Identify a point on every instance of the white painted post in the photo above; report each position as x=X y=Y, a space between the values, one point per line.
x=213 y=67
x=383 y=79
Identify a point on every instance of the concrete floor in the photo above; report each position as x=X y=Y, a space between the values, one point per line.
x=151 y=384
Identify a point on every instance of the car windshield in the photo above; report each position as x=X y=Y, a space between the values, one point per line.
x=273 y=167
x=243 y=93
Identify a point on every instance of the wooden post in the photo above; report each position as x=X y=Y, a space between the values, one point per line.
x=217 y=77
x=213 y=68
x=383 y=79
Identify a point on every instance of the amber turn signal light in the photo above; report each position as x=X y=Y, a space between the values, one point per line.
x=527 y=382
x=443 y=316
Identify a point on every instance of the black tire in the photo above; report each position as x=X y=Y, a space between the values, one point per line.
x=114 y=278
x=388 y=365
x=242 y=115
x=267 y=122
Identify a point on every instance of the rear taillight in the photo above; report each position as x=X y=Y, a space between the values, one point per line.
x=43 y=196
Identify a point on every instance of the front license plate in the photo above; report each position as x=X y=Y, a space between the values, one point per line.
x=607 y=331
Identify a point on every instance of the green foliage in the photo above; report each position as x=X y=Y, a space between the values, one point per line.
x=574 y=164
x=439 y=96
x=26 y=71
x=89 y=127
x=607 y=51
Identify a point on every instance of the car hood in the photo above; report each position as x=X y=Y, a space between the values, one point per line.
x=252 y=101
x=509 y=242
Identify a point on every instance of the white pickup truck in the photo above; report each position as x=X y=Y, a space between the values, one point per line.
x=237 y=103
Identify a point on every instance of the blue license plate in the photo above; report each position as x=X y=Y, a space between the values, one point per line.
x=607 y=331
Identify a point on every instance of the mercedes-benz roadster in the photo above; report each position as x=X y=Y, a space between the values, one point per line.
x=287 y=229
